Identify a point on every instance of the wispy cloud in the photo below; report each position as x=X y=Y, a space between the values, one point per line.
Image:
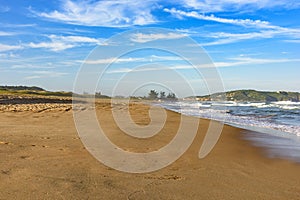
x=163 y=58
x=293 y=41
x=142 y=38
x=50 y=73
x=233 y=62
x=9 y=55
x=238 y=61
x=44 y=74
x=4 y=47
x=75 y=39
x=2 y=33
x=239 y=22
x=4 y=9
x=17 y=25
x=112 y=60
x=53 y=46
x=238 y=5
x=59 y=43
x=145 y=69
x=118 y=13
x=152 y=58
x=264 y=29
x=32 y=66
x=227 y=38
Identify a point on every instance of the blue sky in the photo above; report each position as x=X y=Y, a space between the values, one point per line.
x=254 y=44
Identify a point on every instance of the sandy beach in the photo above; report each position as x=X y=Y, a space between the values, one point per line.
x=42 y=157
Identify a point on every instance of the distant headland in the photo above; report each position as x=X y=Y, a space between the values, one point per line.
x=253 y=96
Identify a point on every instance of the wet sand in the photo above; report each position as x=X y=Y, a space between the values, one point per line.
x=42 y=157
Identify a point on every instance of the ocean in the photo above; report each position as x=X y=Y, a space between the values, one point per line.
x=275 y=125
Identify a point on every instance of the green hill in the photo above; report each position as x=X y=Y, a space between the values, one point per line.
x=33 y=90
x=18 y=88
x=37 y=91
x=255 y=96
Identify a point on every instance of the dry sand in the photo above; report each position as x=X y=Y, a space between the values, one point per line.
x=42 y=157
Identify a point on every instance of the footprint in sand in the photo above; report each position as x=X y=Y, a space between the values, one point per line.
x=24 y=157
x=45 y=138
x=166 y=177
x=44 y=146
x=5 y=143
x=6 y=172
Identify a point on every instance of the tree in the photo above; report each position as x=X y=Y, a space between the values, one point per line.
x=153 y=94
x=162 y=95
x=97 y=94
x=171 y=96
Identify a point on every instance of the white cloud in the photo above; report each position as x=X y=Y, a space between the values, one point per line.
x=264 y=34
x=9 y=55
x=45 y=74
x=51 y=73
x=152 y=58
x=240 y=22
x=264 y=28
x=33 y=77
x=145 y=69
x=117 y=13
x=53 y=46
x=17 y=25
x=259 y=24
x=293 y=41
x=74 y=39
x=4 y=47
x=31 y=66
x=226 y=38
x=239 y=61
x=59 y=43
x=142 y=38
x=251 y=61
x=4 y=9
x=238 y=5
x=112 y=60
x=163 y=58
x=2 y=33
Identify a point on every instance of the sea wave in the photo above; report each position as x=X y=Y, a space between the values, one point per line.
x=281 y=116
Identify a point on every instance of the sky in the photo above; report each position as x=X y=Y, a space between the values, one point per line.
x=253 y=44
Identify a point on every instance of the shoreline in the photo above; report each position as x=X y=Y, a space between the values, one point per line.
x=284 y=145
x=42 y=158
x=277 y=116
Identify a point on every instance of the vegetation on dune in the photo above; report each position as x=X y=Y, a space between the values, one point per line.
x=37 y=91
x=20 y=88
x=29 y=91
x=253 y=95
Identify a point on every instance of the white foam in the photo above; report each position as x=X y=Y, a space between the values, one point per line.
x=205 y=110
x=286 y=103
